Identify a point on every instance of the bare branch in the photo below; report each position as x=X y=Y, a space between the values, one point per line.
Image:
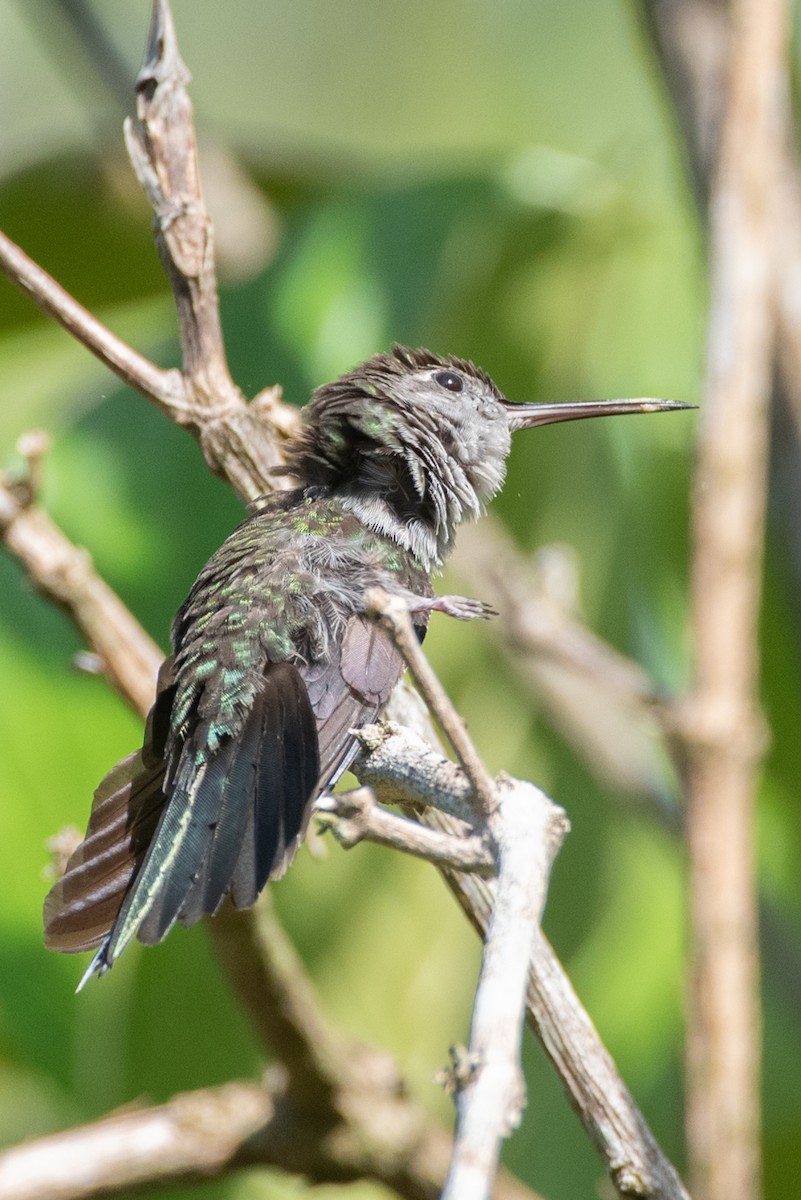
x=394 y=614
x=191 y=1137
x=163 y=151
x=164 y=388
x=239 y=442
x=402 y=766
x=528 y=830
x=636 y=1162
x=355 y=816
x=218 y=1131
x=603 y=1104
x=64 y=574
x=722 y=726
x=605 y=1107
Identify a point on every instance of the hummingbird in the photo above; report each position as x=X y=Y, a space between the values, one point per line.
x=275 y=660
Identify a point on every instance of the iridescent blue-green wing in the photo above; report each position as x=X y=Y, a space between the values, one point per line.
x=343 y=693
x=247 y=800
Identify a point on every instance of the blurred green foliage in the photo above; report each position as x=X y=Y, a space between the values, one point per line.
x=496 y=180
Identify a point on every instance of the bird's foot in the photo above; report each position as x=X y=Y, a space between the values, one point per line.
x=463 y=608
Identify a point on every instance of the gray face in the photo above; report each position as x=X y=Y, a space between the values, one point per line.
x=465 y=423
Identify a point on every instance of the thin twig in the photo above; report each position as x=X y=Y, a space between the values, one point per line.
x=527 y=829
x=164 y=388
x=356 y=816
x=237 y=441
x=394 y=614
x=219 y=1131
x=619 y=1131
x=636 y=1163
x=163 y=150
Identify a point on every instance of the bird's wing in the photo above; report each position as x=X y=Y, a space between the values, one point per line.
x=345 y=693
x=249 y=797
x=234 y=817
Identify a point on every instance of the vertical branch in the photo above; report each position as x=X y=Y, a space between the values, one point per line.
x=723 y=725
x=163 y=151
x=240 y=442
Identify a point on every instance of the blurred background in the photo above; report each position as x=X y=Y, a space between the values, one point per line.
x=502 y=181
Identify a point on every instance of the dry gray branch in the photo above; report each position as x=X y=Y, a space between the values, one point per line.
x=527 y=830
x=393 y=613
x=636 y=1164
x=356 y=816
x=192 y=1137
x=236 y=441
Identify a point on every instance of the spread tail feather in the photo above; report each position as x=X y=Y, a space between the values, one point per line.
x=258 y=785
x=81 y=908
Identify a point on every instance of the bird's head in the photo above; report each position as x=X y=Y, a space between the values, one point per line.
x=416 y=443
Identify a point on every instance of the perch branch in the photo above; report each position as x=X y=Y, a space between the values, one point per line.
x=527 y=829
x=636 y=1163
x=394 y=614
x=356 y=816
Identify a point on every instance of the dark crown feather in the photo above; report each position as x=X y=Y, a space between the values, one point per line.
x=333 y=434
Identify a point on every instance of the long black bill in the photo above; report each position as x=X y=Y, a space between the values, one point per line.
x=527 y=416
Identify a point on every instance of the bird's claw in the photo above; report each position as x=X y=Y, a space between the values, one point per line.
x=463 y=608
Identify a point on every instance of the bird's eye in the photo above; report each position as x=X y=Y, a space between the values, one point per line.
x=449 y=380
